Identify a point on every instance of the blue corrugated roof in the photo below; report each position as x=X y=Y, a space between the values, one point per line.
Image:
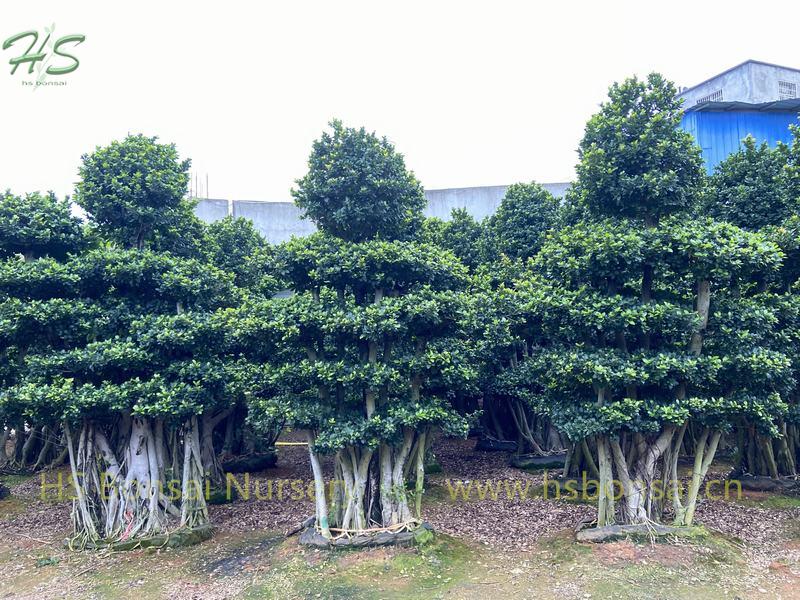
x=792 y=105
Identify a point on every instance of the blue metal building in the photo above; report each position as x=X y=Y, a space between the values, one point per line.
x=753 y=98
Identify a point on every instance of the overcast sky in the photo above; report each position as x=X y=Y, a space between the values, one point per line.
x=472 y=93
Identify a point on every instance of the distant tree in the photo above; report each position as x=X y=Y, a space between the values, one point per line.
x=357 y=187
x=525 y=215
x=234 y=245
x=749 y=188
x=756 y=188
x=462 y=235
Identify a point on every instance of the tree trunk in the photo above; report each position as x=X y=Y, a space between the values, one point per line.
x=194 y=511
x=47 y=435
x=3 y=444
x=119 y=496
x=637 y=479
x=605 y=489
x=320 y=501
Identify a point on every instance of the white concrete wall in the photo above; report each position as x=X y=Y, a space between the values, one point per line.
x=480 y=202
x=211 y=209
x=276 y=221
x=764 y=81
x=280 y=221
x=751 y=82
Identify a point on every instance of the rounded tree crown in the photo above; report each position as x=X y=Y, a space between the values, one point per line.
x=358 y=188
x=635 y=161
x=526 y=213
x=134 y=189
x=749 y=188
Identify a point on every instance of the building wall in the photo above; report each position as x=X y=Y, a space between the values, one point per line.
x=765 y=78
x=279 y=221
x=719 y=133
x=276 y=221
x=210 y=209
x=480 y=202
x=751 y=82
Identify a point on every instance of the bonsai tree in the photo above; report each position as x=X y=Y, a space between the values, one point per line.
x=139 y=381
x=756 y=189
x=34 y=226
x=360 y=333
x=625 y=312
x=135 y=391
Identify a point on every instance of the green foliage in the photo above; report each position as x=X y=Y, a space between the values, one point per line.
x=392 y=296
x=234 y=245
x=525 y=215
x=357 y=187
x=130 y=326
x=635 y=161
x=462 y=235
x=599 y=339
x=143 y=277
x=367 y=317
x=591 y=314
x=116 y=342
x=749 y=188
x=604 y=333
x=134 y=190
x=36 y=225
x=792 y=177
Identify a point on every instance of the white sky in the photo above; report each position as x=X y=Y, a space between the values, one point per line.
x=473 y=93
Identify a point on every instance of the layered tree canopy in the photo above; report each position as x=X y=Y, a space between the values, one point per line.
x=641 y=320
x=362 y=336
x=35 y=225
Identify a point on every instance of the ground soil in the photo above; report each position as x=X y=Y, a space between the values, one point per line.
x=506 y=546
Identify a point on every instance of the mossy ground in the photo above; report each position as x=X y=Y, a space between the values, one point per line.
x=258 y=565
x=768 y=501
x=266 y=565
x=11 y=480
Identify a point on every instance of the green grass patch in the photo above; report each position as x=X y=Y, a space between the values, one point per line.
x=562 y=547
x=10 y=480
x=367 y=574
x=770 y=501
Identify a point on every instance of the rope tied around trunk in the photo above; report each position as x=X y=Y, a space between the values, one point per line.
x=409 y=525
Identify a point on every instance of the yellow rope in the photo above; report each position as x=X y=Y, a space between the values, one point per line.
x=390 y=529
